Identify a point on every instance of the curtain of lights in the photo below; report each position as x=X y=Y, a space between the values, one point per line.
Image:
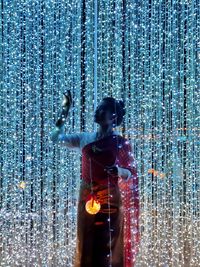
x=145 y=52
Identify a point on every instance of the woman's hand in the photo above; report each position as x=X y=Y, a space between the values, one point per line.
x=66 y=104
x=112 y=170
x=67 y=100
x=116 y=171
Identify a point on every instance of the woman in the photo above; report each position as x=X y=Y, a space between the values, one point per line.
x=109 y=175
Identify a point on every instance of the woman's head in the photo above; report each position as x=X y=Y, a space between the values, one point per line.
x=110 y=112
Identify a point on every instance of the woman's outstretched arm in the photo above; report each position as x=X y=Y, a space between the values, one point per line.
x=70 y=140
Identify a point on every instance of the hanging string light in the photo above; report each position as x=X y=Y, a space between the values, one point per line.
x=92 y=205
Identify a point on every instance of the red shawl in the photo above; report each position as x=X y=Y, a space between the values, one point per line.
x=117 y=150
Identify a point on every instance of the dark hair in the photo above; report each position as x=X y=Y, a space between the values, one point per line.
x=116 y=106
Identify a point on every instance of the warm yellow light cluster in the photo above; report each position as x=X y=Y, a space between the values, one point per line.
x=22 y=185
x=156 y=173
x=92 y=206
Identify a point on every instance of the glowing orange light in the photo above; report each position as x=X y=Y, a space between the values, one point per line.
x=151 y=171
x=156 y=173
x=92 y=206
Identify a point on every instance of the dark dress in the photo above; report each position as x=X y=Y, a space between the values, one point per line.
x=105 y=239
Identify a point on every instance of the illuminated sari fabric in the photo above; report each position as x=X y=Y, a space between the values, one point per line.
x=95 y=245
